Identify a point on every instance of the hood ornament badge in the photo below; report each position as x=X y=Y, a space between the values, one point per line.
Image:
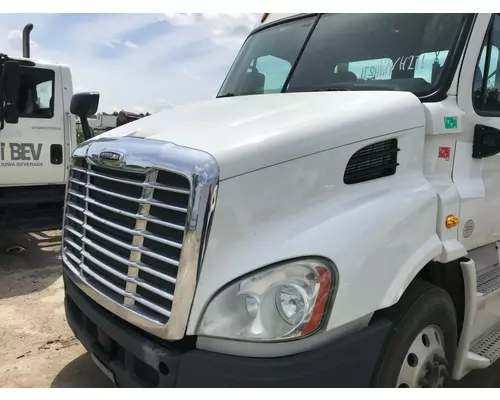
x=109 y=157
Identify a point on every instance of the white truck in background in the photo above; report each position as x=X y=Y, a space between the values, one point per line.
x=332 y=218
x=98 y=124
x=37 y=136
x=106 y=122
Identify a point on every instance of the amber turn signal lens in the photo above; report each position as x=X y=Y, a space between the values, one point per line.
x=451 y=221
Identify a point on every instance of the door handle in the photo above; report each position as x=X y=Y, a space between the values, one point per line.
x=56 y=154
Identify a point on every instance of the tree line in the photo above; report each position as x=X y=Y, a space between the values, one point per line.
x=115 y=113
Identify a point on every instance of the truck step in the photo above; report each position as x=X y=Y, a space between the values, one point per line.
x=488 y=345
x=488 y=279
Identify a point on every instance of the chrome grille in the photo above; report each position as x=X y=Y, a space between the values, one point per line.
x=124 y=234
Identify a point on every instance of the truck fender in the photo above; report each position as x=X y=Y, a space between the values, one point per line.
x=415 y=263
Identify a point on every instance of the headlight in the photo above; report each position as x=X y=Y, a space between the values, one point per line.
x=285 y=301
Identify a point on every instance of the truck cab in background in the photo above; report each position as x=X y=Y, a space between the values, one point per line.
x=125 y=117
x=37 y=134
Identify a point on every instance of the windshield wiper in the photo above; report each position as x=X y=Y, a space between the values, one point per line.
x=332 y=89
x=341 y=87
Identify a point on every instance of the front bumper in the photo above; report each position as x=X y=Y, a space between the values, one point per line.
x=137 y=359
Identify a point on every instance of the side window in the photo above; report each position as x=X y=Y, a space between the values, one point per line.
x=36 y=93
x=486 y=86
x=275 y=71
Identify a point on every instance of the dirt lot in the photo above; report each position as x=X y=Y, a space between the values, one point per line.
x=37 y=348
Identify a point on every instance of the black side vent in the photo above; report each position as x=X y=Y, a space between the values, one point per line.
x=372 y=162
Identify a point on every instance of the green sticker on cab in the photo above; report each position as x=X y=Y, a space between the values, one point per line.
x=450 y=123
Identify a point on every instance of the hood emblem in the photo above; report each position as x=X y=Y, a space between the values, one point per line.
x=110 y=157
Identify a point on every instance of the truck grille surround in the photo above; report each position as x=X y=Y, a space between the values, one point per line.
x=137 y=215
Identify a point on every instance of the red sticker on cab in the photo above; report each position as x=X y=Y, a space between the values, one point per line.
x=444 y=153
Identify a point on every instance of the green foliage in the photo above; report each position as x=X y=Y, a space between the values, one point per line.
x=79 y=136
x=115 y=113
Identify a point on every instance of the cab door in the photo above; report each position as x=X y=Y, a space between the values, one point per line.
x=32 y=151
x=478 y=179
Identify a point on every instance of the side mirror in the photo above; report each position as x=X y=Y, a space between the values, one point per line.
x=83 y=105
x=11 y=79
x=486 y=141
x=11 y=114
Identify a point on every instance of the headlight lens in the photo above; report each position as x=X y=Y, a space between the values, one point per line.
x=285 y=301
x=291 y=304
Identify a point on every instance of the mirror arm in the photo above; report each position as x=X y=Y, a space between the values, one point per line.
x=2 y=119
x=3 y=57
x=87 y=133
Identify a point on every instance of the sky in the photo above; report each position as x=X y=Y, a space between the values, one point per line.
x=137 y=62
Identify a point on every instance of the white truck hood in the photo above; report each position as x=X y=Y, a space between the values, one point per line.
x=252 y=132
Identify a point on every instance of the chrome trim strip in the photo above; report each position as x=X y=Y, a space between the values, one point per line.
x=146 y=156
x=74 y=219
x=73 y=244
x=77 y=208
x=79 y=195
x=156 y=273
x=73 y=231
x=166 y=260
x=77 y=181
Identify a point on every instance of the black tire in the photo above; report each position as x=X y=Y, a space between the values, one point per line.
x=422 y=304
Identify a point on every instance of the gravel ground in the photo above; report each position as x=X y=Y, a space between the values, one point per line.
x=37 y=347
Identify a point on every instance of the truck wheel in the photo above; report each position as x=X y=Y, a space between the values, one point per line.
x=421 y=351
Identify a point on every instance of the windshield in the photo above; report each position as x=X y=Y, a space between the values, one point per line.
x=406 y=52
